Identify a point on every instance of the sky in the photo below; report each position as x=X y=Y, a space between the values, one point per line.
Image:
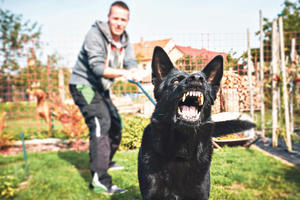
x=210 y=24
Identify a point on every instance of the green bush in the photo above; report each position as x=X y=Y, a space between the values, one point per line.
x=133 y=127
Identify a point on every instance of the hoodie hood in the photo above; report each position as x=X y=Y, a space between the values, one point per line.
x=105 y=30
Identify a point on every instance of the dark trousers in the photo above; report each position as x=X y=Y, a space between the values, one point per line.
x=104 y=123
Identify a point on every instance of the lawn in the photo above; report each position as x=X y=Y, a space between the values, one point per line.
x=236 y=173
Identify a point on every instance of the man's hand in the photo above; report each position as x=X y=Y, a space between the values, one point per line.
x=113 y=73
x=137 y=74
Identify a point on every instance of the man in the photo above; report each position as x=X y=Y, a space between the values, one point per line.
x=105 y=54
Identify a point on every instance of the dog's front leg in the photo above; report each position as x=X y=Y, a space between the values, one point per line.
x=231 y=126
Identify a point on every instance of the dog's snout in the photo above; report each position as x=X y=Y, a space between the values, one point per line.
x=195 y=77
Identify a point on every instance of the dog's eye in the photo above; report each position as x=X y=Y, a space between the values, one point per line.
x=175 y=82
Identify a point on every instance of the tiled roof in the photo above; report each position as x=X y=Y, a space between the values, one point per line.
x=205 y=54
x=144 y=49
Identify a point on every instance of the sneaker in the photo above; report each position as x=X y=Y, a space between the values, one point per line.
x=115 y=190
x=114 y=166
x=99 y=188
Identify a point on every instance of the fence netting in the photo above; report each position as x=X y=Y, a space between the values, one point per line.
x=36 y=98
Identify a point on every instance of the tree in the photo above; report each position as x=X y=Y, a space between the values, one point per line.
x=18 y=41
x=15 y=36
x=291 y=27
x=291 y=18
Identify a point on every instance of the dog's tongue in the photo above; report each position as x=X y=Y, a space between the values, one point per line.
x=189 y=112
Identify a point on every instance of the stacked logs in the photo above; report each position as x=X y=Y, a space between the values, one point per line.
x=234 y=94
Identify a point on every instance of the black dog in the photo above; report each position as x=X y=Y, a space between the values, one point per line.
x=175 y=155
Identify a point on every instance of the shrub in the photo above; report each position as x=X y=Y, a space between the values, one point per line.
x=4 y=139
x=133 y=127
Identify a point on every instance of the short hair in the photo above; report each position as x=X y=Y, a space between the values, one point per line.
x=120 y=4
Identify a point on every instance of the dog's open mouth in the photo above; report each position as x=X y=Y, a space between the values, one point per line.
x=190 y=106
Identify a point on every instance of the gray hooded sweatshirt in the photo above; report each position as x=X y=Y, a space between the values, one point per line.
x=98 y=51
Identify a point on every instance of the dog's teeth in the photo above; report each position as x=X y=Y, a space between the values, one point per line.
x=179 y=111
x=200 y=100
x=184 y=96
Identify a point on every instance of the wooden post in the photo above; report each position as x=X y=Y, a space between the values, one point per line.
x=285 y=92
x=61 y=84
x=49 y=90
x=293 y=59
x=262 y=103
x=293 y=50
x=275 y=79
x=250 y=70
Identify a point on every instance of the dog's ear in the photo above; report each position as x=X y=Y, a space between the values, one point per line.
x=214 y=73
x=161 y=65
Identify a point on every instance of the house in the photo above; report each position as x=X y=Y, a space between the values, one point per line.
x=186 y=58
x=199 y=57
x=144 y=50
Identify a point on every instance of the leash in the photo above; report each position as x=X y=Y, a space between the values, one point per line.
x=143 y=90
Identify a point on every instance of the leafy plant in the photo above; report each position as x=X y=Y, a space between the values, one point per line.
x=132 y=131
x=7 y=186
x=4 y=139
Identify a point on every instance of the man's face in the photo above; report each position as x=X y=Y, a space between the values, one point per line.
x=118 y=20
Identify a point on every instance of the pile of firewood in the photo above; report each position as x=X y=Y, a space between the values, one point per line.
x=234 y=95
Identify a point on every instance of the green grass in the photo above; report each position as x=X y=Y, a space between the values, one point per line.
x=236 y=173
